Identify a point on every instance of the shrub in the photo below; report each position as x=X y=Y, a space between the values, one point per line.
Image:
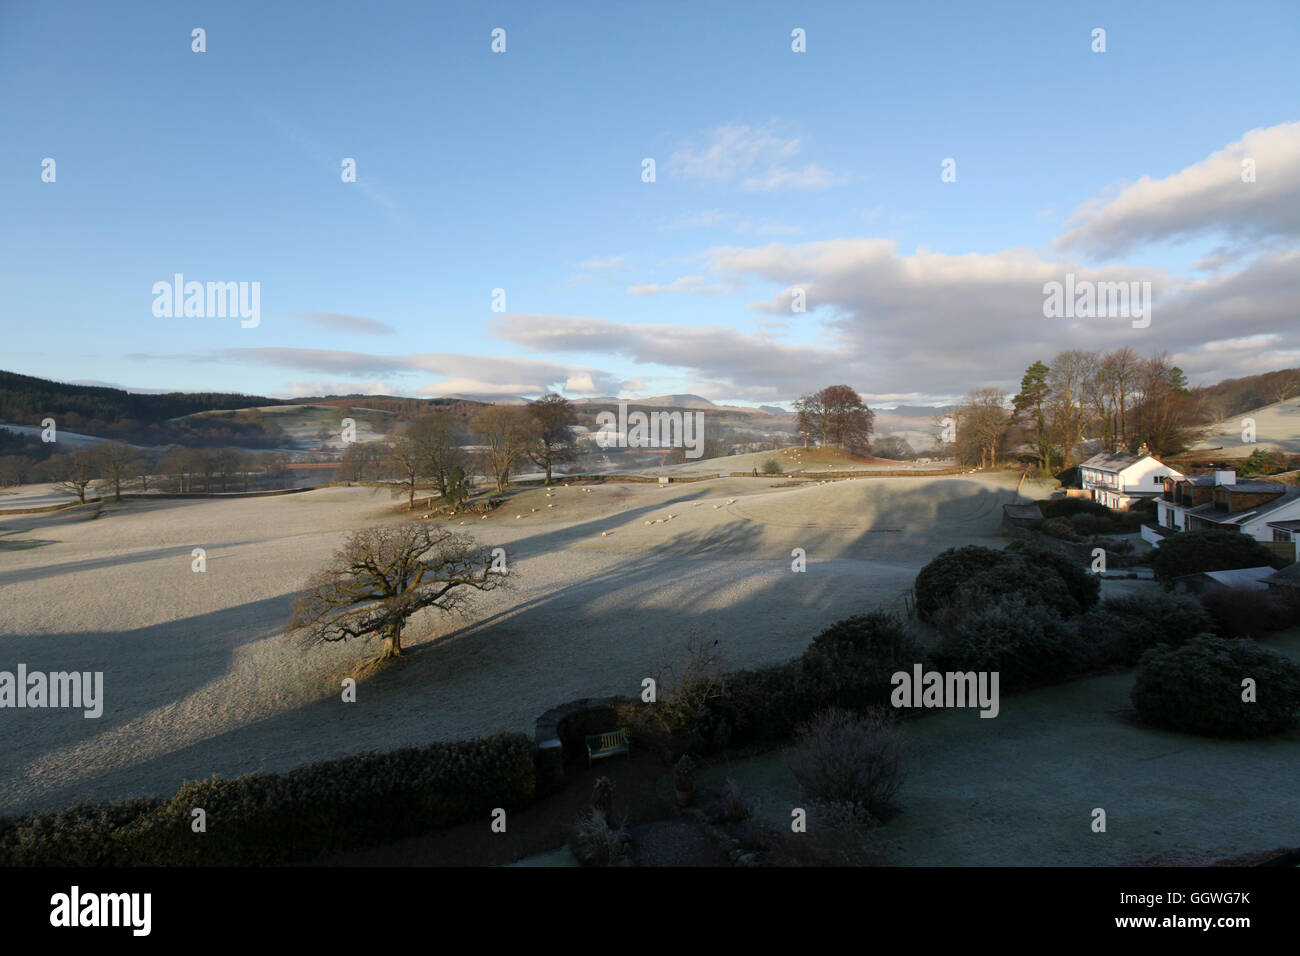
x=1197 y=688
x=687 y=688
x=878 y=635
x=970 y=577
x=1087 y=524
x=1169 y=618
x=1021 y=579
x=732 y=807
x=1126 y=626
x=1263 y=462
x=848 y=665
x=602 y=796
x=1027 y=644
x=1065 y=507
x=1190 y=552
x=1059 y=528
x=598 y=842
x=772 y=467
x=856 y=761
x=1246 y=612
x=835 y=837
x=1083 y=586
x=1110 y=641
x=936 y=581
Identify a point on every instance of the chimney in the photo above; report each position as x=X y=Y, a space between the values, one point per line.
x=1228 y=477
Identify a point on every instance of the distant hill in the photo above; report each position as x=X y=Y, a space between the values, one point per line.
x=1277 y=428
x=25 y=400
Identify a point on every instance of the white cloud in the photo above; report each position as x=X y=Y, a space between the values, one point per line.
x=1208 y=196
x=692 y=285
x=761 y=156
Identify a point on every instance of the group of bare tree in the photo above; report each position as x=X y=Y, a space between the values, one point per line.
x=836 y=416
x=434 y=448
x=112 y=466
x=1118 y=399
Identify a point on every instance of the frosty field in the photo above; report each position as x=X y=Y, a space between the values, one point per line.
x=199 y=679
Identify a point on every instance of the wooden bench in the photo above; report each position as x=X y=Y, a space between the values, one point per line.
x=607 y=745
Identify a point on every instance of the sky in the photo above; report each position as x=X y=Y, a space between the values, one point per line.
x=916 y=175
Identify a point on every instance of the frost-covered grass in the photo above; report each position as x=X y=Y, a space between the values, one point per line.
x=199 y=680
x=1020 y=789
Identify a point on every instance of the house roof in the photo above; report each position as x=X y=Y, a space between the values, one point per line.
x=1254 y=485
x=1285 y=525
x=1252 y=578
x=1211 y=512
x=1112 y=461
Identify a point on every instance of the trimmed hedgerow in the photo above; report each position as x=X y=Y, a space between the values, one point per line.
x=1068 y=507
x=1197 y=688
x=83 y=835
x=263 y=818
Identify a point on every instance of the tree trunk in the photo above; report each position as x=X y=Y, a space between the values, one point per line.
x=392 y=644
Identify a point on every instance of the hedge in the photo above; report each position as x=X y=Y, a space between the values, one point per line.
x=266 y=818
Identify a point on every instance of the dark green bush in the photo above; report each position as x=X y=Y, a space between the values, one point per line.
x=848 y=665
x=1059 y=528
x=1191 y=552
x=1124 y=627
x=1020 y=579
x=1066 y=507
x=1197 y=688
x=1027 y=644
x=946 y=571
x=878 y=635
x=263 y=818
x=1249 y=612
x=964 y=579
x=1083 y=586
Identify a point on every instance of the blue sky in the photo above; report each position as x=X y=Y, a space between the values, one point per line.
x=523 y=171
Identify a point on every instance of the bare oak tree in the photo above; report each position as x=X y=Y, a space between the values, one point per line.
x=382 y=576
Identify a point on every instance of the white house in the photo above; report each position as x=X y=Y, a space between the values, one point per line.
x=1122 y=479
x=1266 y=510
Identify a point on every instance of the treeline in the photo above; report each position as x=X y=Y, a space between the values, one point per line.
x=1236 y=396
x=407 y=408
x=1080 y=400
x=104 y=411
x=112 y=466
